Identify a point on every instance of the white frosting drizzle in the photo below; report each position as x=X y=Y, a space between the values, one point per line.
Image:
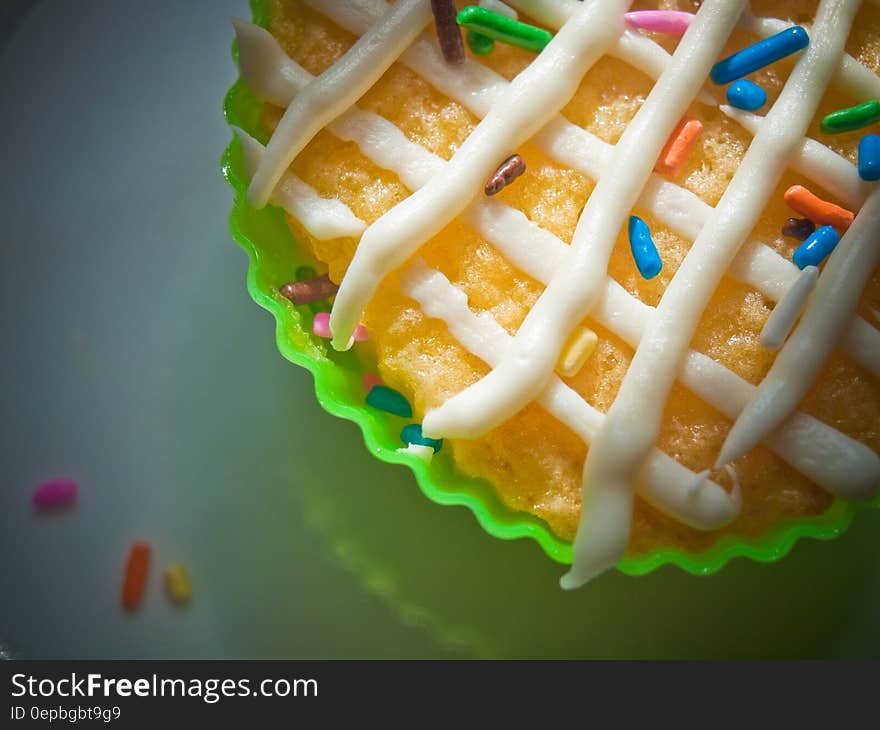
x=324 y=218
x=552 y=13
x=575 y=288
x=685 y=213
x=757 y=264
x=637 y=50
x=336 y=90
x=815 y=161
x=499 y=7
x=851 y=76
x=785 y=314
x=838 y=463
x=664 y=481
x=266 y=68
x=633 y=421
x=539 y=253
x=532 y=99
x=798 y=364
x=477 y=88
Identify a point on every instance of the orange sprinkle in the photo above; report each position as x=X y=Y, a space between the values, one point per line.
x=679 y=146
x=821 y=212
x=135 y=575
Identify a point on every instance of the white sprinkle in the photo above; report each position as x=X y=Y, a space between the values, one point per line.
x=425 y=453
x=789 y=308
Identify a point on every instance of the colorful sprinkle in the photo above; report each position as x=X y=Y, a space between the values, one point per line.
x=311 y=290
x=507 y=172
x=760 y=54
x=479 y=44
x=412 y=434
x=671 y=22
x=788 y=309
x=448 y=32
x=321 y=327
x=497 y=27
x=821 y=212
x=577 y=351
x=643 y=249
x=177 y=583
x=855 y=117
x=135 y=575
x=799 y=228
x=371 y=380
x=747 y=95
x=816 y=248
x=679 y=146
x=55 y=494
x=386 y=399
x=424 y=453
x=869 y=157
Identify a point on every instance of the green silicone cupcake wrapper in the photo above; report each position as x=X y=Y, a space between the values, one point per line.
x=274 y=257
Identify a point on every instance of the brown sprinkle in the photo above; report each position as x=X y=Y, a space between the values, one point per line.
x=448 y=32
x=313 y=290
x=506 y=173
x=800 y=228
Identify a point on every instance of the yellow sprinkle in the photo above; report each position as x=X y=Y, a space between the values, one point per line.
x=576 y=351
x=177 y=583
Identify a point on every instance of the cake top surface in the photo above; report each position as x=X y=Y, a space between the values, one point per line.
x=526 y=109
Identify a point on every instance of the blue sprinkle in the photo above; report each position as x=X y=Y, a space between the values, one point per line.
x=760 y=54
x=643 y=249
x=869 y=157
x=813 y=251
x=386 y=399
x=743 y=94
x=412 y=434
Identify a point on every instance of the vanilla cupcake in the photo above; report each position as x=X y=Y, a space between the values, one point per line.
x=618 y=262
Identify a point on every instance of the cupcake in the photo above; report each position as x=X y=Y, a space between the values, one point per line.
x=619 y=263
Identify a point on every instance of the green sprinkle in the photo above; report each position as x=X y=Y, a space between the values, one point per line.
x=386 y=399
x=412 y=434
x=479 y=44
x=321 y=306
x=304 y=273
x=500 y=28
x=856 y=117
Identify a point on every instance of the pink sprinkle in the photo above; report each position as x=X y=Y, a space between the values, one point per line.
x=371 y=380
x=321 y=327
x=361 y=334
x=673 y=22
x=55 y=493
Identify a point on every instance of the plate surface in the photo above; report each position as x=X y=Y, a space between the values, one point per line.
x=135 y=361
